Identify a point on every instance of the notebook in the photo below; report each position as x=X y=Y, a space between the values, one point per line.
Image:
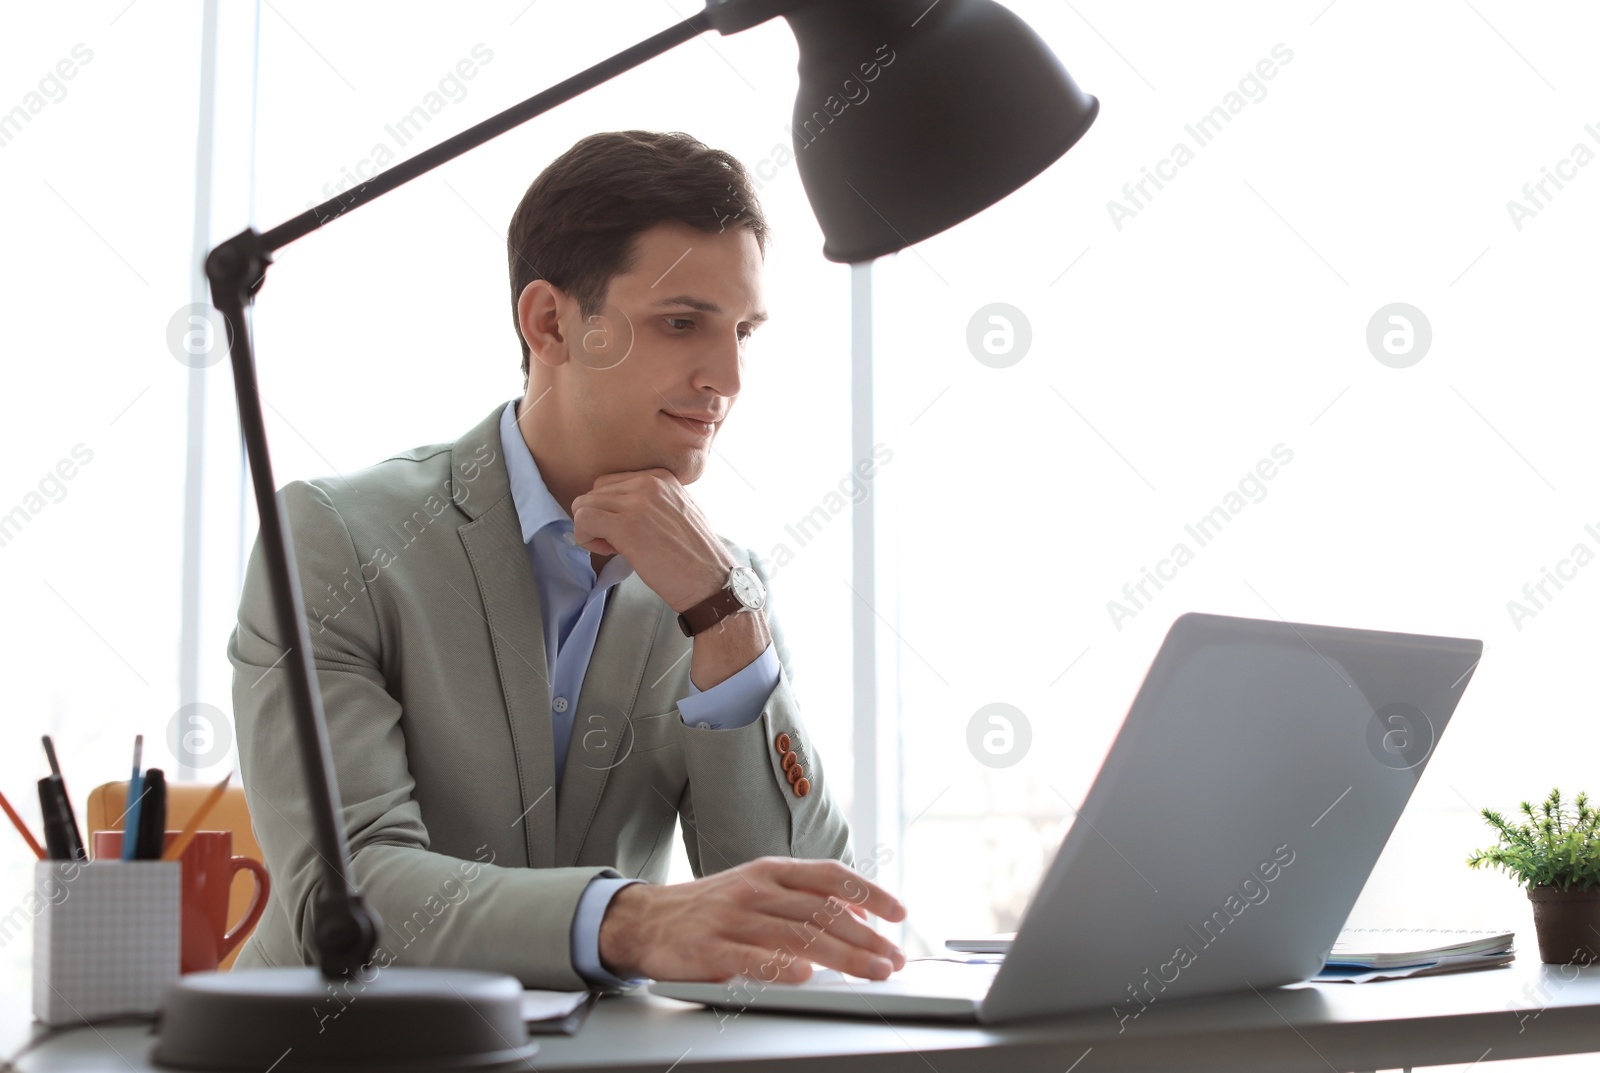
x=1363 y=954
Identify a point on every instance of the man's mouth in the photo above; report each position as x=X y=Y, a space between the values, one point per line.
x=701 y=425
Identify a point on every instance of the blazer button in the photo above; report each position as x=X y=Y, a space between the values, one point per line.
x=790 y=760
x=795 y=773
x=781 y=744
x=802 y=787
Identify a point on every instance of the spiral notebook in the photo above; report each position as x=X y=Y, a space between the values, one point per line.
x=1363 y=954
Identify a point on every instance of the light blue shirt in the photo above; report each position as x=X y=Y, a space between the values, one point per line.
x=572 y=600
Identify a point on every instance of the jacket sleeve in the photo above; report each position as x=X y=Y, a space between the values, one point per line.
x=739 y=803
x=436 y=909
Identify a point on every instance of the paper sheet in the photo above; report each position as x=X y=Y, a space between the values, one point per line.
x=547 y=1005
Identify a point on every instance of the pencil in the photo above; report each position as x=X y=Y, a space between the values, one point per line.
x=181 y=843
x=22 y=828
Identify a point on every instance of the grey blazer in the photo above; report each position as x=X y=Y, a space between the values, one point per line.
x=430 y=655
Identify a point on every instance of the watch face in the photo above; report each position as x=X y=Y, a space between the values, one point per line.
x=748 y=588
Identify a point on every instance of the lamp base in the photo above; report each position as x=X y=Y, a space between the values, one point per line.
x=295 y=1020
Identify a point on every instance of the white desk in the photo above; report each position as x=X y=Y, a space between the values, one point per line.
x=1522 y=1011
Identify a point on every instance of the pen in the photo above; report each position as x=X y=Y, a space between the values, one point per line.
x=60 y=822
x=60 y=834
x=192 y=828
x=152 y=816
x=22 y=828
x=130 y=815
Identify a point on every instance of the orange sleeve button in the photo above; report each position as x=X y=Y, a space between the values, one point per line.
x=802 y=787
x=795 y=773
x=782 y=743
x=790 y=760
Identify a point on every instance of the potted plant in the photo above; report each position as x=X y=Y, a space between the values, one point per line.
x=1555 y=854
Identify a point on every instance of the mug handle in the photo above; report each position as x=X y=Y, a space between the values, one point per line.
x=258 y=903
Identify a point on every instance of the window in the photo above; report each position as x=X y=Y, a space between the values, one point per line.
x=1253 y=262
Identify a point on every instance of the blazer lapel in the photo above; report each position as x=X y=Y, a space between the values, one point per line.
x=602 y=728
x=499 y=559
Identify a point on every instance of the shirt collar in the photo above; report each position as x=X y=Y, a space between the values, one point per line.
x=536 y=507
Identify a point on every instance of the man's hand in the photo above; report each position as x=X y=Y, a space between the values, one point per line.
x=648 y=518
x=768 y=919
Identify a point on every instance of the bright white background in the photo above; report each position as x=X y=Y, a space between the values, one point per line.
x=1168 y=356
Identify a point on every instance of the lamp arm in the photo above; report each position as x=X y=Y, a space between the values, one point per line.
x=490 y=128
x=346 y=927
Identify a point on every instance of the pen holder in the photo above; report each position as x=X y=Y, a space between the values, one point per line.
x=105 y=938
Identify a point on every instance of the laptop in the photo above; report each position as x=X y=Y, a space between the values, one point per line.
x=1254 y=781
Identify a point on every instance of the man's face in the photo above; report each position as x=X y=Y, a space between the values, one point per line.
x=649 y=381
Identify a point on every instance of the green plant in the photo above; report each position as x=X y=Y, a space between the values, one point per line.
x=1557 y=847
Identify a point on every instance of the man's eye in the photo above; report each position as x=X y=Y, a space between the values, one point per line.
x=680 y=323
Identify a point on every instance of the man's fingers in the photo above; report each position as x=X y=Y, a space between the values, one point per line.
x=610 y=503
x=635 y=480
x=585 y=517
x=726 y=959
x=805 y=918
x=832 y=878
x=772 y=965
x=835 y=953
x=874 y=958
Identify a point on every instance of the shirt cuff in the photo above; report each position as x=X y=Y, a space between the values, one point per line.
x=737 y=700
x=586 y=933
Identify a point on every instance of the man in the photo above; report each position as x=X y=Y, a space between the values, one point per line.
x=517 y=712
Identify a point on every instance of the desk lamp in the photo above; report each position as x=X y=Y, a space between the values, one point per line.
x=973 y=107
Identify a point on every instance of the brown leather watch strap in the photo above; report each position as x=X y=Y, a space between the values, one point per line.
x=710 y=611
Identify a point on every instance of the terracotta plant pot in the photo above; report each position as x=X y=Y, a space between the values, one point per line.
x=1567 y=923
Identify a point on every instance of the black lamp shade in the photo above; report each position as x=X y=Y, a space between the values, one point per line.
x=903 y=130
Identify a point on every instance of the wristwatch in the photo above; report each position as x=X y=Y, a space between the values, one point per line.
x=743 y=591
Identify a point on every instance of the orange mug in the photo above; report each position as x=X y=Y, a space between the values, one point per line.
x=208 y=870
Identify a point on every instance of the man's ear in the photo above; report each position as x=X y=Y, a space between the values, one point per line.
x=540 y=307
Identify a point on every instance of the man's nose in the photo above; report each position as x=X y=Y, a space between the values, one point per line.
x=721 y=365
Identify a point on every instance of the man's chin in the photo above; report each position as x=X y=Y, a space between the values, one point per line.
x=687 y=464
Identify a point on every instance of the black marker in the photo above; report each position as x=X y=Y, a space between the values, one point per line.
x=61 y=837
x=152 y=817
x=60 y=833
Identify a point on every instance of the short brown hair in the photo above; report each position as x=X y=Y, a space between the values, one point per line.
x=577 y=222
